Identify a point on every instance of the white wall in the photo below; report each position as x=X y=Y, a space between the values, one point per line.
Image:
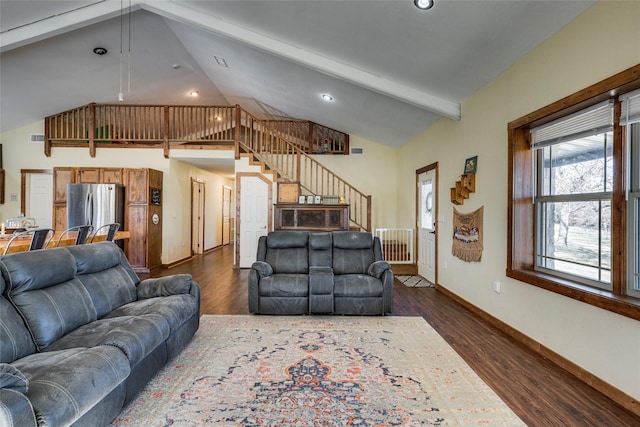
x=601 y=42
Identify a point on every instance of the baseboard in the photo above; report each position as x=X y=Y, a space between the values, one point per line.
x=176 y=263
x=583 y=375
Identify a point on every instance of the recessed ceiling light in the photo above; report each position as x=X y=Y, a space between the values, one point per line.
x=99 y=51
x=423 y=4
x=326 y=97
x=194 y=93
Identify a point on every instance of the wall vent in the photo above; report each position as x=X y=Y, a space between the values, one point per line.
x=357 y=150
x=36 y=138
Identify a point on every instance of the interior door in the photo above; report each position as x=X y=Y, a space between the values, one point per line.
x=226 y=215
x=40 y=198
x=197 y=217
x=254 y=217
x=427 y=225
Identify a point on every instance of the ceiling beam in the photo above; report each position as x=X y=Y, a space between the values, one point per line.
x=408 y=94
x=62 y=23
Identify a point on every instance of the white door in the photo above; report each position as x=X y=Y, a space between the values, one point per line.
x=40 y=199
x=226 y=215
x=254 y=216
x=197 y=217
x=427 y=225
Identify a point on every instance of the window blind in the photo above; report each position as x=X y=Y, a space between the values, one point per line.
x=591 y=121
x=630 y=108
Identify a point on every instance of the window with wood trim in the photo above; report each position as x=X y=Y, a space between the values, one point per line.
x=574 y=196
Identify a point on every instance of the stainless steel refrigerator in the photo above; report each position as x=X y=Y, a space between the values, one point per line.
x=95 y=204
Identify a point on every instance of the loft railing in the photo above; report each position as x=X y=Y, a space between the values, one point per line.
x=176 y=126
x=283 y=145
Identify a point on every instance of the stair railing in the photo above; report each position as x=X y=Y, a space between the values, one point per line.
x=276 y=145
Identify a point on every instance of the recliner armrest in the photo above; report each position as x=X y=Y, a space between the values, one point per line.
x=164 y=286
x=377 y=268
x=264 y=269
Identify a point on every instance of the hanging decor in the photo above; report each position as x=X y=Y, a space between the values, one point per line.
x=467 y=235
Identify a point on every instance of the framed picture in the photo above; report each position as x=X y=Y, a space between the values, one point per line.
x=318 y=200
x=471 y=164
x=301 y=199
x=310 y=199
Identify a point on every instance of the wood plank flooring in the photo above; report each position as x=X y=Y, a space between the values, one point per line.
x=539 y=392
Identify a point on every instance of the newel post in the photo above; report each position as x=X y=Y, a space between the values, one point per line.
x=47 y=136
x=237 y=131
x=92 y=129
x=165 y=137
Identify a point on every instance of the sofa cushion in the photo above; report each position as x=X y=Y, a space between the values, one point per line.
x=284 y=285
x=357 y=285
x=106 y=274
x=352 y=252
x=136 y=336
x=66 y=384
x=15 y=339
x=43 y=288
x=320 y=249
x=288 y=252
x=175 y=309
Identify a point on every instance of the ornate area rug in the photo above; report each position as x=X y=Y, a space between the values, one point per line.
x=317 y=371
x=415 y=281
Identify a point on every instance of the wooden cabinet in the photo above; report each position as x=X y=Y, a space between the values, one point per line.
x=88 y=176
x=311 y=217
x=143 y=213
x=112 y=176
x=144 y=218
x=62 y=177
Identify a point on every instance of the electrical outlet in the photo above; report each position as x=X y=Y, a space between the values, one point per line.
x=497 y=287
x=446 y=265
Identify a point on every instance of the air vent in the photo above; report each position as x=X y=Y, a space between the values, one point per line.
x=357 y=150
x=37 y=138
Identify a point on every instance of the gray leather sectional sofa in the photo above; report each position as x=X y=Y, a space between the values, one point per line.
x=339 y=272
x=81 y=335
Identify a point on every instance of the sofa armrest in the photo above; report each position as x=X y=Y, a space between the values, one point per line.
x=164 y=286
x=377 y=268
x=264 y=269
x=15 y=407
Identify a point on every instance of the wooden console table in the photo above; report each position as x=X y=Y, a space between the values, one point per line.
x=311 y=217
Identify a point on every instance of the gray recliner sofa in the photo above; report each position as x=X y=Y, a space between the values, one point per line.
x=81 y=335
x=339 y=272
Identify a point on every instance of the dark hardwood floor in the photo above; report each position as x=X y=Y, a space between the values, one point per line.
x=539 y=392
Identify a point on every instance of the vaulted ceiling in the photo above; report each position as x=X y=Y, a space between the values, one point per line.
x=391 y=68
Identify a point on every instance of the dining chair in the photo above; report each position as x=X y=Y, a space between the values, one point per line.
x=111 y=230
x=40 y=238
x=82 y=234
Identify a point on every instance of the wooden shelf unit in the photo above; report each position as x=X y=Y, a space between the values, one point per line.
x=290 y=216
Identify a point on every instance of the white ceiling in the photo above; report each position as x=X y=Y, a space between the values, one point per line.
x=391 y=68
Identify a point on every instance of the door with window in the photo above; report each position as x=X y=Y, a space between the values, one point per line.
x=427 y=215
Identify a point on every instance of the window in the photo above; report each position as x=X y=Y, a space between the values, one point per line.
x=574 y=196
x=573 y=176
x=630 y=119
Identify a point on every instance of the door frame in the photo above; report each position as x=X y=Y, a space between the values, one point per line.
x=429 y=167
x=238 y=227
x=23 y=186
x=201 y=200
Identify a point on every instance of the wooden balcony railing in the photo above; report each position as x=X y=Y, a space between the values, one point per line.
x=284 y=145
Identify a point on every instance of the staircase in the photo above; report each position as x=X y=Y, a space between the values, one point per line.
x=283 y=146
